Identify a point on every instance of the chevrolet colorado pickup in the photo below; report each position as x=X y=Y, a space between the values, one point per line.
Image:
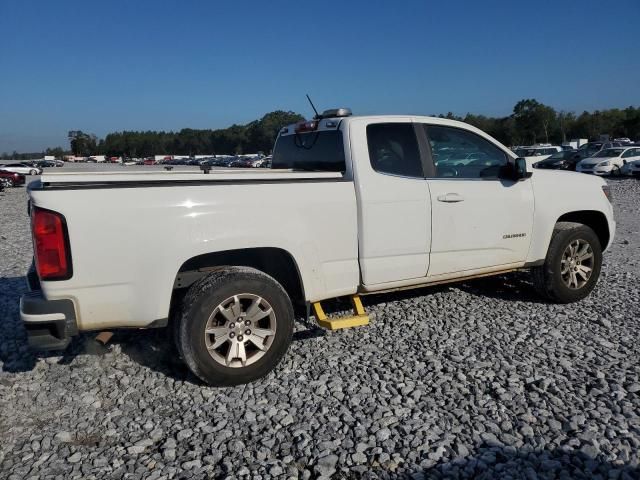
x=352 y=205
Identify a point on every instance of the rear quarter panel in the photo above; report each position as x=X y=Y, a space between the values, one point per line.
x=127 y=244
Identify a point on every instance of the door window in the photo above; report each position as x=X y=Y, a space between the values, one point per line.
x=393 y=149
x=459 y=153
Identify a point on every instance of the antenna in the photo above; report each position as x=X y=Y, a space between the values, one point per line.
x=313 y=106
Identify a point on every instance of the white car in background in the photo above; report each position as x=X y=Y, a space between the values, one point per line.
x=632 y=167
x=610 y=161
x=537 y=153
x=22 y=168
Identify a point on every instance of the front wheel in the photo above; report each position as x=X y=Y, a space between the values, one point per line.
x=235 y=327
x=572 y=266
x=33 y=172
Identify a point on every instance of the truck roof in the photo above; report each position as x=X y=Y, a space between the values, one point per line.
x=331 y=122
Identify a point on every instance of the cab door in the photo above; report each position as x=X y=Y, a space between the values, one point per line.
x=480 y=221
x=394 y=205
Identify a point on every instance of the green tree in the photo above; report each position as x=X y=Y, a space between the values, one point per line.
x=533 y=120
x=262 y=133
x=82 y=144
x=566 y=122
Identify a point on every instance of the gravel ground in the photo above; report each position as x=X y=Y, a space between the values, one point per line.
x=479 y=380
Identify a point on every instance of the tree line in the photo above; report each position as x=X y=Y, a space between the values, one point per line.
x=533 y=122
x=530 y=122
x=256 y=136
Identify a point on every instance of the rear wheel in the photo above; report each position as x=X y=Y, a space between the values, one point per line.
x=236 y=325
x=33 y=172
x=572 y=266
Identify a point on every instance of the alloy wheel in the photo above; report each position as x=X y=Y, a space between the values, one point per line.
x=577 y=264
x=240 y=330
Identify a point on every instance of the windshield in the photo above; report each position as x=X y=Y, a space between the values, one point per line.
x=526 y=152
x=321 y=150
x=591 y=147
x=558 y=156
x=609 y=152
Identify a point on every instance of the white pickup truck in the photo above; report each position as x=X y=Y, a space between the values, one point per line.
x=351 y=206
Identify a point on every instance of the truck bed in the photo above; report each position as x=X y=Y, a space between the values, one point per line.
x=130 y=232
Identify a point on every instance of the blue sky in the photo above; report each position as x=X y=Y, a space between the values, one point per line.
x=166 y=65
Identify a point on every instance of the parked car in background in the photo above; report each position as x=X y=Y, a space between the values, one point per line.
x=622 y=140
x=12 y=179
x=564 y=160
x=22 y=168
x=632 y=168
x=259 y=162
x=48 y=163
x=266 y=162
x=609 y=161
x=241 y=162
x=574 y=143
x=591 y=148
x=627 y=169
x=535 y=153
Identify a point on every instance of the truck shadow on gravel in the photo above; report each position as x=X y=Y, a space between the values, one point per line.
x=154 y=349
x=509 y=462
x=14 y=351
x=510 y=287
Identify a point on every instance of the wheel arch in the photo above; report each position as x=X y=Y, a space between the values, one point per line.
x=275 y=262
x=593 y=219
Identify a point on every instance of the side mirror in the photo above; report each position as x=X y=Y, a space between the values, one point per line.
x=521 y=169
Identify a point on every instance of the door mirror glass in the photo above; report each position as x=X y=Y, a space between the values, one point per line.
x=515 y=170
x=522 y=170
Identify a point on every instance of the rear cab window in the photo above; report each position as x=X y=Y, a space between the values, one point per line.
x=317 y=150
x=393 y=149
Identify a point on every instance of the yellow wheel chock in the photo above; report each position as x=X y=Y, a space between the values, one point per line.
x=360 y=318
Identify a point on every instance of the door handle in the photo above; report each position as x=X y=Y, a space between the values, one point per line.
x=450 y=198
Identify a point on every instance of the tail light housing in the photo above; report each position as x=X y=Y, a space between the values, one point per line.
x=51 y=245
x=306 y=126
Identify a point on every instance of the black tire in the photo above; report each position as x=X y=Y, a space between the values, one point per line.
x=33 y=172
x=200 y=302
x=547 y=278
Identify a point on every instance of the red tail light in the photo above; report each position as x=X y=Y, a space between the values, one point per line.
x=51 y=245
x=306 y=126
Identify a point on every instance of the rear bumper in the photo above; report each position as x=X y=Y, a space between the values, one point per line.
x=50 y=324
